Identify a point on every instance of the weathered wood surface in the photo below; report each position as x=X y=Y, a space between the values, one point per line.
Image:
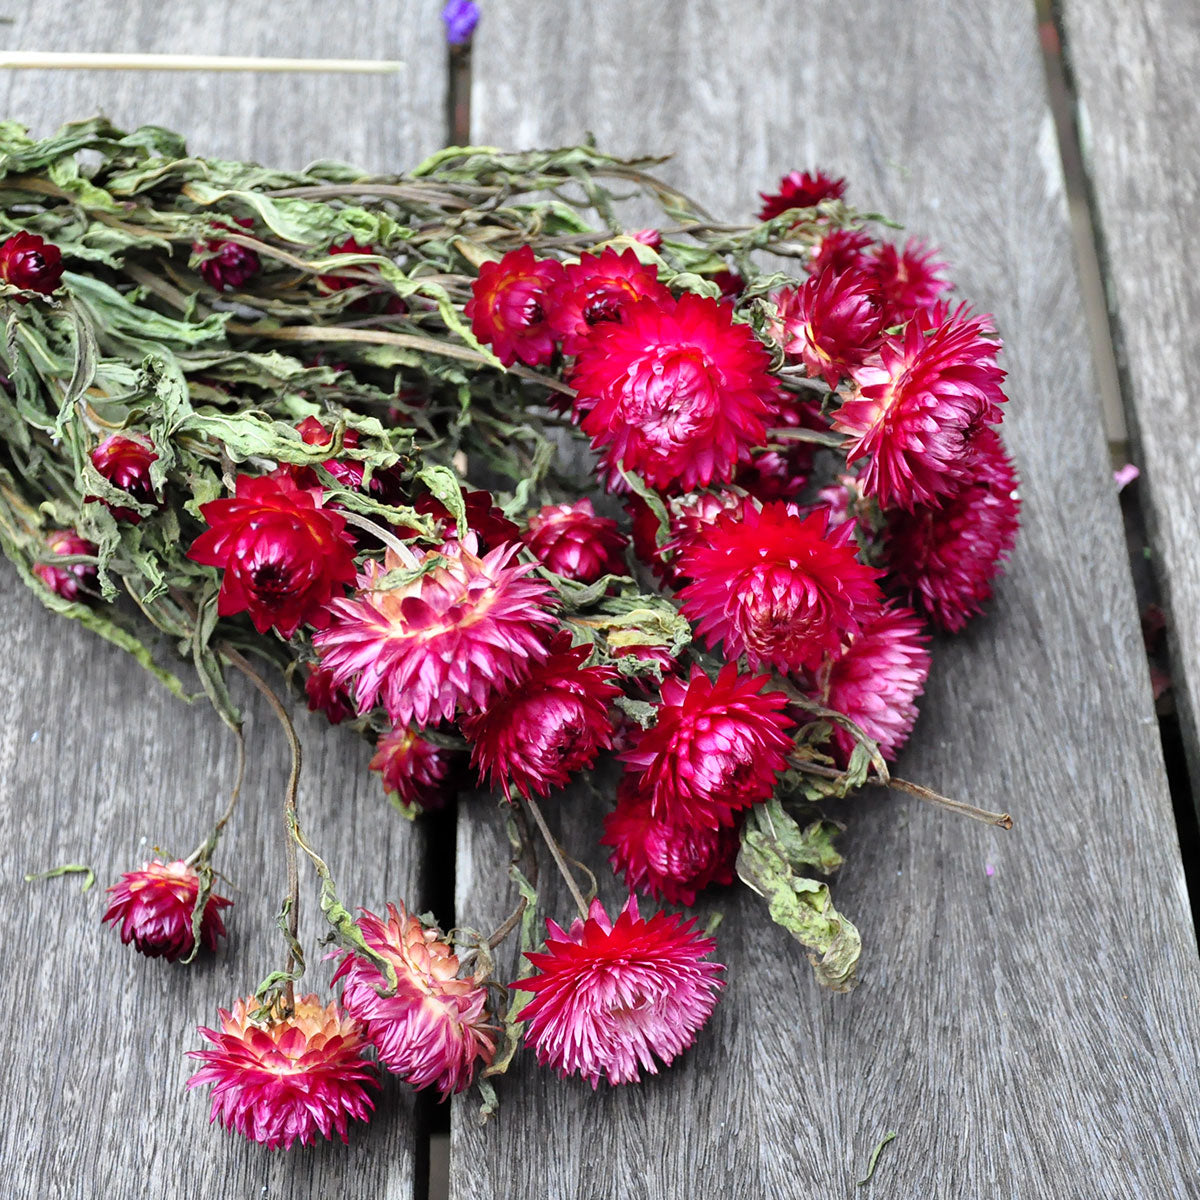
x=1132 y=64
x=1027 y=1021
x=384 y=122
x=98 y=765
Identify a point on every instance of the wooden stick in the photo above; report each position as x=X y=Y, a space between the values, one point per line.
x=52 y=61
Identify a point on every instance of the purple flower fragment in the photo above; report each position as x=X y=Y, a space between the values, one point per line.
x=461 y=17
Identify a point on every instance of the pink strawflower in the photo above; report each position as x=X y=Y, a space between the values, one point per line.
x=125 y=462
x=509 y=305
x=434 y=1031
x=614 y=998
x=909 y=280
x=66 y=581
x=832 y=323
x=664 y=859
x=876 y=679
x=284 y=554
x=783 y=474
x=715 y=748
x=649 y=237
x=598 y=289
x=800 y=190
x=416 y=774
x=945 y=556
x=782 y=589
x=152 y=908
x=461 y=628
x=333 y=282
x=912 y=417
x=227 y=265
x=550 y=725
x=282 y=1081
x=676 y=392
x=575 y=543
x=31 y=263
x=347 y=471
x=325 y=696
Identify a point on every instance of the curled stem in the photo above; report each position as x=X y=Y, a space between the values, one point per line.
x=209 y=844
x=559 y=858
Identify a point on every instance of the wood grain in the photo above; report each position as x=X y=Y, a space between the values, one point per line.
x=1132 y=66
x=1027 y=1021
x=377 y=122
x=98 y=765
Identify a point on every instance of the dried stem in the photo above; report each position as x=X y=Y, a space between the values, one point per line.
x=559 y=859
x=209 y=844
x=235 y=659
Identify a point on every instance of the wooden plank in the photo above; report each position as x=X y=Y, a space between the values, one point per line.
x=379 y=122
x=100 y=766
x=1132 y=65
x=1009 y=1027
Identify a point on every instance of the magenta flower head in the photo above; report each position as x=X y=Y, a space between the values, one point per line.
x=125 y=462
x=31 y=263
x=284 y=1080
x=228 y=265
x=575 y=543
x=460 y=17
x=152 y=908
x=434 y=1031
x=66 y=581
x=614 y=998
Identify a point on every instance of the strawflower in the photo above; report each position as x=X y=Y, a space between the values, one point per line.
x=676 y=392
x=152 y=908
x=125 y=462
x=227 y=265
x=800 y=190
x=435 y=631
x=433 y=1031
x=283 y=553
x=715 y=748
x=575 y=543
x=284 y=1080
x=416 y=774
x=616 y=998
x=30 y=263
x=508 y=306
x=66 y=581
x=550 y=725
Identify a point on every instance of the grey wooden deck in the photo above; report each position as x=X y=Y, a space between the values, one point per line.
x=1032 y=1032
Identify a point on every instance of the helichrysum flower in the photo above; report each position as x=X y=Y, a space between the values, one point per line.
x=782 y=589
x=416 y=774
x=675 y=392
x=616 y=998
x=509 y=305
x=66 y=580
x=227 y=265
x=152 y=908
x=715 y=748
x=30 y=263
x=284 y=1080
x=909 y=280
x=946 y=555
x=801 y=190
x=575 y=543
x=434 y=632
x=125 y=462
x=434 y=1031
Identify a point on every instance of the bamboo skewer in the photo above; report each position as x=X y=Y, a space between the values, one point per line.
x=53 y=61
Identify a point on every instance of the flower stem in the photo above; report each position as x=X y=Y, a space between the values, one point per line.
x=209 y=844
x=235 y=659
x=559 y=859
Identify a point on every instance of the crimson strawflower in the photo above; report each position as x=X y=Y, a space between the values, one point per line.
x=649 y=237
x=946 y=555
x=337 y=283
x=614 y=998
x=416 y=774
x=433 y=1031
x=484 y=519
x=152 y=908
x=509 y=303
x=450 y=632
x=800 y=190
x=716 y=747
x=347 y=471
x=909 y=280
x=227 y=265
x=730 y=283
x=598 y=289
x=30 y=263
x=284 y=554
x=913 y=416
x=575 y=543
x=676 y=392
x=66 y=581
x=839 y=250
x=832 y=323
x=876 y=679
x=325 y=696
x=665 y=859
x=288 y=1078
x=780 y=588
x=550 y=725
x=125 y=462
